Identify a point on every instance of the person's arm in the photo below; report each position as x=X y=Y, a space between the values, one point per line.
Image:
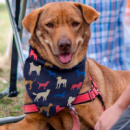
x=111 y=115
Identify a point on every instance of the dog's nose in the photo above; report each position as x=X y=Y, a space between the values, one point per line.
x=64 y=44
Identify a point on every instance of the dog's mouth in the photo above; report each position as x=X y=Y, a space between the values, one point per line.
x=65 y=58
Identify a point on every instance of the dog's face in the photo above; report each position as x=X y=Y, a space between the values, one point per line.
x=60 y=32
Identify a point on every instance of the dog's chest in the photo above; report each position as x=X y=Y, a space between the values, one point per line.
x=65 y=121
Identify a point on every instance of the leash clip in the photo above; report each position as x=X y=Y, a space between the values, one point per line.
x=71 y=108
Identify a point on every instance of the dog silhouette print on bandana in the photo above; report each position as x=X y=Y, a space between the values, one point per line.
x=50 y=88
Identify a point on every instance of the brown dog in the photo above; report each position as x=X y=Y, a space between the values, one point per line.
x=59 y=30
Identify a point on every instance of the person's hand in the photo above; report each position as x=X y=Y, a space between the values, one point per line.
x=109 y=117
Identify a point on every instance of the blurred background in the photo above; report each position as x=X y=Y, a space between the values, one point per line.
x=12 y=106
x=8 y=106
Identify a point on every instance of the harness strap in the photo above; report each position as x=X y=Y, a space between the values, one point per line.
x=89 y=95
x=84 y=97
x=29 y=108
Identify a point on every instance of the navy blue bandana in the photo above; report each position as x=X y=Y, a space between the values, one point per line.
x=51 y=89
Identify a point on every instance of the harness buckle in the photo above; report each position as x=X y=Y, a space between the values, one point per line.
x=90 y=94
x=97 y=90
x=72 y=108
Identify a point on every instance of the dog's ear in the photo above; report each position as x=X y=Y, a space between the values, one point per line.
x=29 y=22
x=89 y=13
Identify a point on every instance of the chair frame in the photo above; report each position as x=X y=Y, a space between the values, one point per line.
x=17 y=32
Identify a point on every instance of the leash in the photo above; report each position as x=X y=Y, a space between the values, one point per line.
x=76 y=122
x=81 y=98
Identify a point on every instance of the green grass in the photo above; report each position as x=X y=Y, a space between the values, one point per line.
x=4 y=28
x=11 y=106
x=8 y=106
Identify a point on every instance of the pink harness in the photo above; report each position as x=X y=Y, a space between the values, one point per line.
x=82 y=98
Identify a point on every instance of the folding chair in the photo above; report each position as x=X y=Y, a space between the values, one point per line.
x=16 y=51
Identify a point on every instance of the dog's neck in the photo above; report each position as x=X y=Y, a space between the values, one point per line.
x=68 y=82
x=87 y=82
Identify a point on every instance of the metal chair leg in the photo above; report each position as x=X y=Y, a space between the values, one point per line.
x=11 y=119
x=4 y=93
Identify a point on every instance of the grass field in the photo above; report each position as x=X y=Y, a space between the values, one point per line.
x=4 y=28
x=8 y=106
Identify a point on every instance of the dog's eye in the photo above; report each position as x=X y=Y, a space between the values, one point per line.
x=75 y=24
x=50 y=25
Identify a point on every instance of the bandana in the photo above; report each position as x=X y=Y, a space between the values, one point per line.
x=51 y=89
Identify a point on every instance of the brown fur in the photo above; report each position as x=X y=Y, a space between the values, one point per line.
x=110 y=83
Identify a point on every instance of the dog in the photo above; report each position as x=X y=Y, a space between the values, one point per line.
x=51 y=74
x=60 y=95
x=60 y=33
x=80 y=73
x=30 y=82
x=43 y=84
x=47 y=109
x=60 y=81
x=42 y=94
x=76 y=86
x=33 y=54
x=34 y=68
